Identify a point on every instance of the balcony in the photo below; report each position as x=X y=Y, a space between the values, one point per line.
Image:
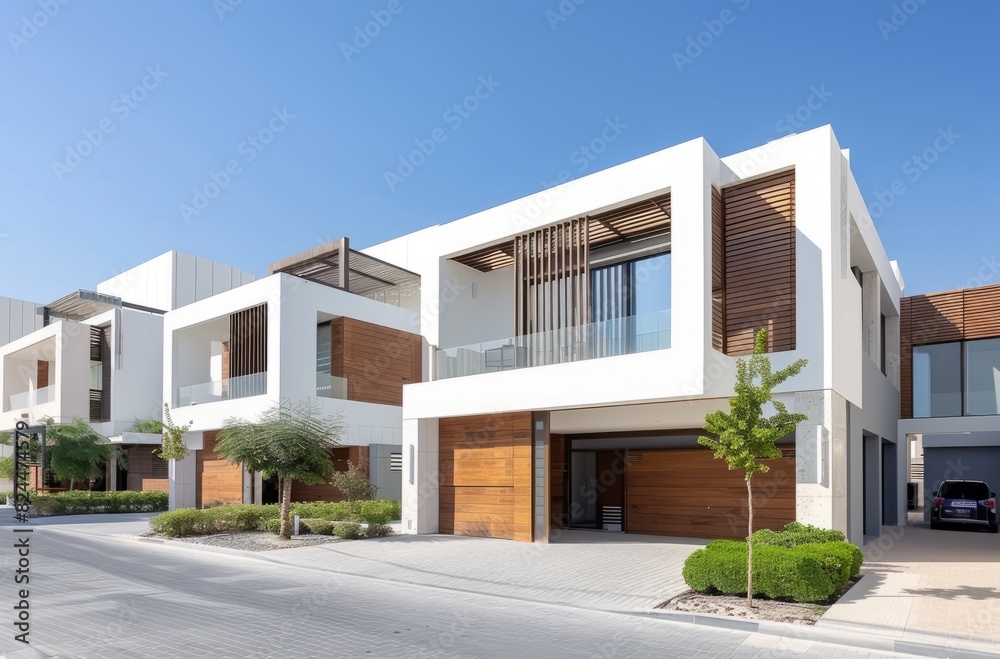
x=331 y=386
x=32 y=397
x=226 y=389
x=609 y=338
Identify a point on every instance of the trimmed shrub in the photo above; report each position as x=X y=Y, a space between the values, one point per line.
x=339 y=511
x=778 y=572
x=378 y=531
x=796 y=534
x=348 y=531
x=231 y=518
x=315 y=526
x=89 y=503
x=380 y=511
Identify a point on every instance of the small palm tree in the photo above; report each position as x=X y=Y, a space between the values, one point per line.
x=290 y=440
x=744 y=436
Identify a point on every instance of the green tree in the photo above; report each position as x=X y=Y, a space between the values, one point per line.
x=77 y=451
x=172 y=447
x=290 y=440
x=743 y=437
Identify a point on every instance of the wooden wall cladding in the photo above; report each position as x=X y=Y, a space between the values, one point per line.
x=759 y=263
x=216 y=481
x=485 y=476
x=145 y=471
x=688 y=493
x=248 y=341
x=42 y=375
x=377 y=361
x=357 y=455
x=968 y=315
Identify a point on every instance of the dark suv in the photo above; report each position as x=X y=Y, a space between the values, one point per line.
x=964 y=502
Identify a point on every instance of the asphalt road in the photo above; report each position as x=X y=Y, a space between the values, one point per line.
x=92 y=596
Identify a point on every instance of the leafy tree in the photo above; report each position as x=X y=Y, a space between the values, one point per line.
x=77 y=451
x=290 y=440
x=172 y=447
x=743 y=437
x=355 y=485
x=148 y=426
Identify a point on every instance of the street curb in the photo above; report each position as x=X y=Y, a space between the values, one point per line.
x=845 y=638
x=823 y=635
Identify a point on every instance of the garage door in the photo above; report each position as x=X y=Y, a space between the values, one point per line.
x=691 y=494
x=485 y=476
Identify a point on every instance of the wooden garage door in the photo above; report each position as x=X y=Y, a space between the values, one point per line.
x=216 y=480
x=485 y=476
x=691 y=494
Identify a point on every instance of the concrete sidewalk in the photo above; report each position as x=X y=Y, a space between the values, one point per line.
x=926 y=586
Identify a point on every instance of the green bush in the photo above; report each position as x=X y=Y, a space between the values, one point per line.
x=377 y=511
x=271 y=525
x=378 y=531
x=380 y=511
x=337 y=512
x=315 y=526
x=796 y=534
x=348 y=531
x=84 y=503
x=805 y=573
x=231 y=518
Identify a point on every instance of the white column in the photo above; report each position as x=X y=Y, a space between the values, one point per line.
x=420 y=476
x=821 y=460
x=871 y=314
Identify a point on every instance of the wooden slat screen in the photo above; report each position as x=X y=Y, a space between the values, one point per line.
x=551 y=274
x=248 y=341
x=106 y=373
x=718 y=273
x=941 y=318
x=759 y=270
x=96 y=338
x=42 y=374
x=485 y=476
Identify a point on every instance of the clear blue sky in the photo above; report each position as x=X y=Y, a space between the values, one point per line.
x=77 y=218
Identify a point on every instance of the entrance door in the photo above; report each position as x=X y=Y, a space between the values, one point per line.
x=597 y=490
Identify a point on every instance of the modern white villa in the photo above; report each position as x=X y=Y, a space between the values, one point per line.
x=548 y=364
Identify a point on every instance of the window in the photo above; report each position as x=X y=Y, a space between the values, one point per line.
x=324 y=357
x=964 y=490
x=937 y=380
x=629 y=306
x=982 y=377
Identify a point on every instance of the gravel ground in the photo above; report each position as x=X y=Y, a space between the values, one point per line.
x=251 y=540
x=735 y=606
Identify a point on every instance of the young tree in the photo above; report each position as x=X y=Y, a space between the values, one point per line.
x=78 y=452
x=290 y=440
x=743 y=437
x=172 y=446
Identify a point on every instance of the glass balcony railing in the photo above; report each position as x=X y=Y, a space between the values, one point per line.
x=33 y=397
x=331 y=386
x=228 y=389
x=608 y=338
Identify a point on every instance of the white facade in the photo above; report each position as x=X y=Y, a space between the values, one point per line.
x=192 y=367
x=675 y=386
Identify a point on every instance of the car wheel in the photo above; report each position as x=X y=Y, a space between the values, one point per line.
x=935 y=525
x=994 y=528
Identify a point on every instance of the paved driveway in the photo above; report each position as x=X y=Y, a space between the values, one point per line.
x=592 y=569
x=929 y=586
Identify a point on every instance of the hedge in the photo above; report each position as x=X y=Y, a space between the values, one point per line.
x=89 y=503
x=248 y=517
x=798 y=564
x=221 y=519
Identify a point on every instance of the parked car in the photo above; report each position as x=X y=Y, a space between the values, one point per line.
x=964 y=502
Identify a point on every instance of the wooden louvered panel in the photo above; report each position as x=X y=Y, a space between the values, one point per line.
x=757 y=233
x=937 y=318
x=485 y=476
x=377 y=361
x=248 y=341
x=718 y=273
x=106 y=373
x=982 y=312
x=42 y=375
x=905 y=360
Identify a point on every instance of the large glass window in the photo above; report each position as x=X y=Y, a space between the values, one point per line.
x=982 y=377
x=630 y=305
x=937 y=380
